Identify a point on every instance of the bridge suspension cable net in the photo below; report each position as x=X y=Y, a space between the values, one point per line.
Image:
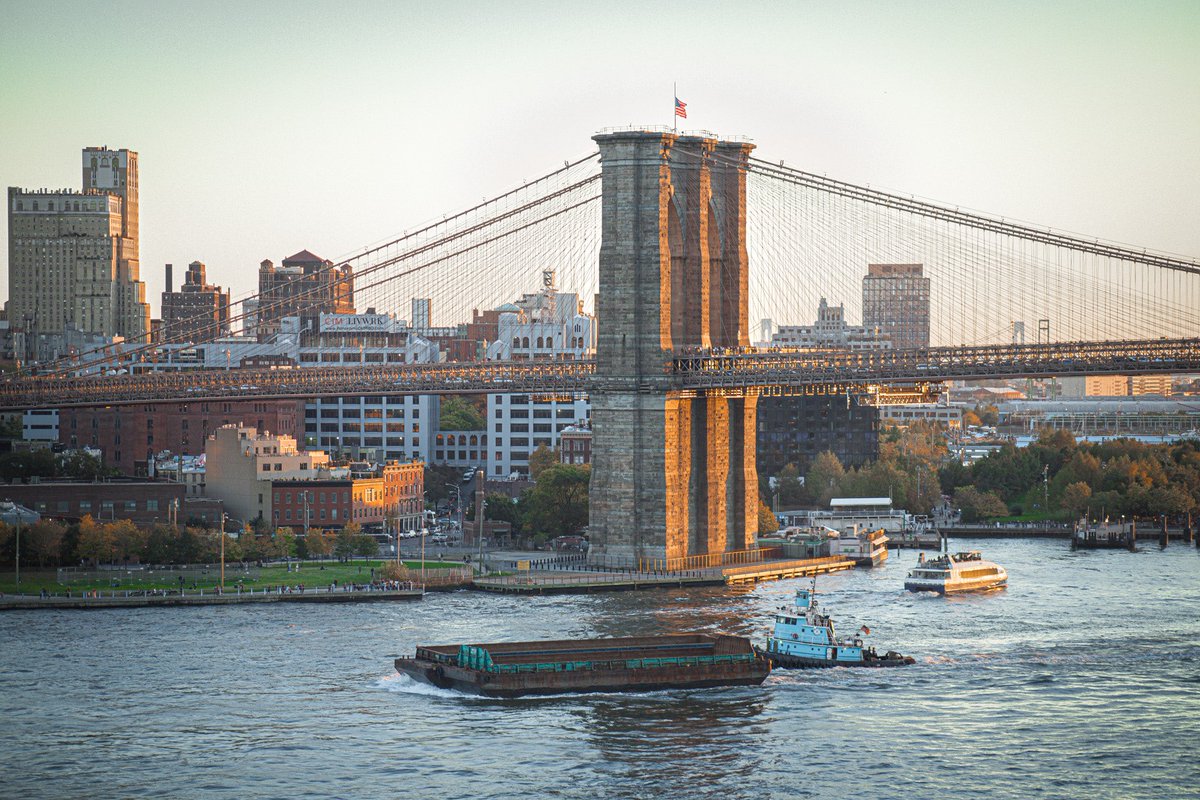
x=992 y=281
x=476 y=258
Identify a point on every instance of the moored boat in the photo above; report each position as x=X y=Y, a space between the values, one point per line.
x=623 y=664
x=1105 y=535
x=950 y=573
x=867 y=547
x=805 y=638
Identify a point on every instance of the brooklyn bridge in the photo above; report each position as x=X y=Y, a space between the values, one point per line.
x=683 y=240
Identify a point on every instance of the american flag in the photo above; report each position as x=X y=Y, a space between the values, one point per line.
x=680 y=108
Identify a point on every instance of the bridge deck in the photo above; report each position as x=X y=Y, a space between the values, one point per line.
x=700 y=371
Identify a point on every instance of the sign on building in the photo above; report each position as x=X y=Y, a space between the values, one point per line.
x=355 y=323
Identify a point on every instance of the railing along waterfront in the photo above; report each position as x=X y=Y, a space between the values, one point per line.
x=709 y=560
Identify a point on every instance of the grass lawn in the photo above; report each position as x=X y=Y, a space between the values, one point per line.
x=310 y=573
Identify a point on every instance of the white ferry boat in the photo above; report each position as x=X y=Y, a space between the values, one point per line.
x=955 y=572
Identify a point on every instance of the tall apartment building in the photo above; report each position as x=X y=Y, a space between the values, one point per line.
x=198 y=312
x=896 y=303
x=304 y=285
x=422 y=313
x=73 y=256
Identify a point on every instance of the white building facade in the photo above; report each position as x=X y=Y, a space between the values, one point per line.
x=548 y=325
x=831 y=332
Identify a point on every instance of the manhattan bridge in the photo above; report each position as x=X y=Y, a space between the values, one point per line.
x=683 y=239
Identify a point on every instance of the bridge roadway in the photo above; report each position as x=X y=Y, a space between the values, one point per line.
x=710 y=371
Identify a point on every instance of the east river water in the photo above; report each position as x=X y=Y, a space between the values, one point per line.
x=1081 y=680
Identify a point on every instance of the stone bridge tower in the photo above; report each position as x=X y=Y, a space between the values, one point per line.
x=673 y=472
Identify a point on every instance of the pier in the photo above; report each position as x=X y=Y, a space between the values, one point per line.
x=550 y=581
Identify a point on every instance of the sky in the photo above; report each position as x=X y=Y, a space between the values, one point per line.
x=266 y=128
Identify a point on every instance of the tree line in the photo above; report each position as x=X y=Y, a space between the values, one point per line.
x=49 y=543
x=1055 y=477
x=556 y=505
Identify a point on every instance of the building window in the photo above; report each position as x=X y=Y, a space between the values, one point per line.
x=152 y=505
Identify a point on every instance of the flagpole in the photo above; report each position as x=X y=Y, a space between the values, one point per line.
x=674 y=105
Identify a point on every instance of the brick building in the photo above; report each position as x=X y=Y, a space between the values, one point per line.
x=575 y=444
x=143 y=502
x=126 y=435
x=304 y=285
x=198 y=312
x=371 y=496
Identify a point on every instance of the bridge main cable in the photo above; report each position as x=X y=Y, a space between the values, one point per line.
x=70 y=363
x=978 y=221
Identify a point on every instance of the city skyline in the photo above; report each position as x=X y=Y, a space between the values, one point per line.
x=246 y=151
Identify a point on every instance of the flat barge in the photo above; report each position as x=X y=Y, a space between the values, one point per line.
x=623 y=664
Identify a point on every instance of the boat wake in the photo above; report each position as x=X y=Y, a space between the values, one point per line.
x=403 y=684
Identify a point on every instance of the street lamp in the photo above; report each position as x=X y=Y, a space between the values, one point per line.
x=458 y=503
x=224 y=519
x=17 y=509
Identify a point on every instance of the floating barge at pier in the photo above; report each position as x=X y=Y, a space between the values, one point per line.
x=624 y=664
x=1104 y=535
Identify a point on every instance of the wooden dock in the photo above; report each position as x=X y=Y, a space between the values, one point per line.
x=778 y=570
x=583 y=582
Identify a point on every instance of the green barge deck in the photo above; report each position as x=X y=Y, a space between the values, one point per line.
x=642 y=663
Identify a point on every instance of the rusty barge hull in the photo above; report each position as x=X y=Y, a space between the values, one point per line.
x=630 y=664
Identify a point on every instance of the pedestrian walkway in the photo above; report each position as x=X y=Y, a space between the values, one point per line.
x=349 y=593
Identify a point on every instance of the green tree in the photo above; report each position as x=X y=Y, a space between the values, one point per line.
x=83 y=465
x=343 y=545
x=789 y=488
x=42 y=541
x=977 y=505
x=558 y=504
x=159 y=544
x=459 y=414
x=1076 y=498
x=824 y=478
x=319 y=542
x=365 y=545
x=542 y=459
x=501 y=508
x=10 y=427
x=129 y=539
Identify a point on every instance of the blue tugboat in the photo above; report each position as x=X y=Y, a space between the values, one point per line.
x=805 y=638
